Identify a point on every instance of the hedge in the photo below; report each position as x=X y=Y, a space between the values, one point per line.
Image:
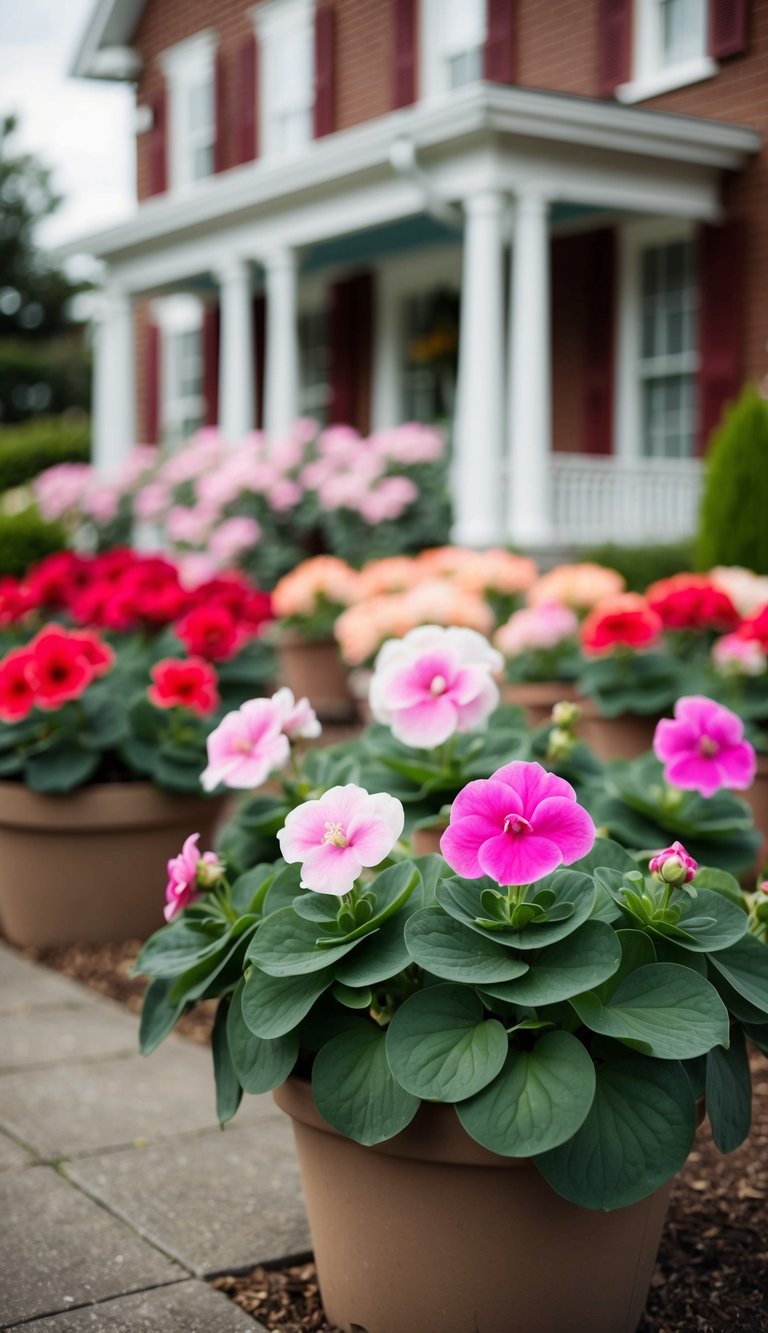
x=733 y=520
x=28 y=449
x=25 y=538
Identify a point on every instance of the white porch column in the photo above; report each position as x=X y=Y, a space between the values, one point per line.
x=530 y=407
x=114 y=386
x=385 y=410
x=281 y=374
x=236 y=358
x=479 y=428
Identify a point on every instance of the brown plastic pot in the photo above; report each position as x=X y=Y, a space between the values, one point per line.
x=622 y=737
x=538 y=698
x=89 y=867
x=313 y=669
x=430 y=1233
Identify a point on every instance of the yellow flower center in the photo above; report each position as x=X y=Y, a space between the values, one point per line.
x=335 y=836
x=438 y=685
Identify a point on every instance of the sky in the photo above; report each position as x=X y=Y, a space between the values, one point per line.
x=82 y=128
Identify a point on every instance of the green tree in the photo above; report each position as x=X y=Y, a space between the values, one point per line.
x=733 y=521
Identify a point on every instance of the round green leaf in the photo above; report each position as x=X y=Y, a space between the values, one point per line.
x=729 y=1093
x=574 y=964
x=660 y=1009
x=378 y=957
x=440 y=1047
x=285 y=945
x=538 y=1101
x=260 y=1065
x=449 y=949
x=710 y=922
x=461 y=899
x=354 y=1089
x=635 y=1137
x=745 y=967
x=273 y=1006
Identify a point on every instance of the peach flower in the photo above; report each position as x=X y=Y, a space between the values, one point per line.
x=580 y=586
x=324 y=576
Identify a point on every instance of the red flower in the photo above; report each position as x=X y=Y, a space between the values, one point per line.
x=187 y=683
x=212 y=632
x=16 y=599
x=692 y=601
x=57 y=578
x=755 y=626
x=151 y=590
x=626 y=620
x=17 y=696
x=59 y=670
x=248 y=604
x=99 y=656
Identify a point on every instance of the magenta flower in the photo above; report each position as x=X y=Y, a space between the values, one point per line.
x=183 y=876
x=704 y=749
x=516 y=826
x=246 y=747
x=434 y=682
x=674 y=865
x=298 y=718
x=337 y=835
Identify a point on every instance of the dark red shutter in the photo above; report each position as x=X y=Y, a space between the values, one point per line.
x=246 y=126
x=722 y=268
x=221 y=108
x=325 y=71
x=351 y=351
x=499 y=55
x=153 y=385
x=403 y=52
x=614 y=45
x=727 y=27
x=157 y=146
x=599 y=360
x=211 y=364
x=259 y=335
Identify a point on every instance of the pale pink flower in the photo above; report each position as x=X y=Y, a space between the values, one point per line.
x=183 y=886
x=191 y=526
x=748 y=591
x=142 y=459
x=287 y=454
x=284 y=494
x=673 y=865
x=315 y=474
x=339 y=835
x=495 y=570
x=734 y=656
x=388 y=500
x=305 y=430
x=61 y=489
x=410 y=443
x=199 y=455
x=101 y=502
x=232 y=537
x=298 y=718
x=704 y=749
x=516 y=826
x=535 y=628
x=246 y=747
x=152 y=501
x=338 y=442
x=194 y=567
x=433 y=683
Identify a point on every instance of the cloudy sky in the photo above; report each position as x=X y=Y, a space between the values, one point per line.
x=80 y=127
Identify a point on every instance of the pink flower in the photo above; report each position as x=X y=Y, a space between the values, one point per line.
x=704 y=749
x=182 y=887
x=536 y=627
x=516 y=826
x=284 y=494
x=388 y=500
x=246 y=747
x=339 y=834
x=152 y=501
x=734 y=656
x=190 y=525
x=232 y=537
x=410 y=443
x=62 y=488
x=298 y=717
x=673 y=865
x=433 y=683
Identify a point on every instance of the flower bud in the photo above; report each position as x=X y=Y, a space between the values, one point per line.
x=210 y=871
x=560 y=743
x=566 y=714
x=673 y=865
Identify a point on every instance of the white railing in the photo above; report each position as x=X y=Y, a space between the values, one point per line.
x=623 y=500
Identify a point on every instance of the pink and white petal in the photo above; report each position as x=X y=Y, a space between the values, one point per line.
x=340 y=805
x=519 y=860
x=567 y=824
x=474 y=649
x=533 y=784
x=389 y=809
x=426 y=724
x=475 y=714
x=467 y=683
x=694 y=772
x=738 y=766
x=371 y=838
x=330 y=869
x=461 y=843
x=490 y=799
x=304 y=828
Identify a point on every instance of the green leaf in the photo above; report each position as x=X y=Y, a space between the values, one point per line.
x=283 y=889
x=250 y=889
x=440 y=1047
x=228 y=1090
x=538 y=1101
x=174 y=948
x=351 y=998
x=605 y=853
x=198 y=979
x=355 y=1091
x=286 y=945
x=708 y=923
x=259 y=1065
x=719 y=881
x=448 y=949
x=60 y=767
x=574 y=964
x=273 y=1006
x=636 y=1136
x=745 y=967
x=392 y=889
x=462 y=899
x=377 y=957
x=158 y=1015
x=660 y=1009
x=729 y=1093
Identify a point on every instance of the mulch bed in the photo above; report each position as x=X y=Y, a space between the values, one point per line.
x=712 y=1273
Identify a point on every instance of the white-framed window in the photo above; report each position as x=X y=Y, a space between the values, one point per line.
x=314 y=379
x=180 y=319
x=285 y=30
x=669 y=47
x=453 y=34
x=190 y=71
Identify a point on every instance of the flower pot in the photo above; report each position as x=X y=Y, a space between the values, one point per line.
x=622 y=737
x=432 y=1232
x=426 y=840
x=538 y=698
x=359 y=685
x=313 y=669
x=757 y=799
x=89 y=867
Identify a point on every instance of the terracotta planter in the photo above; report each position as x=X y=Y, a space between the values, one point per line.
x=89 y=867
x=538 y=698
x=622 y=737
x=426 y=840
x=757 y=799
x=431 y=1232
x=313 y=669
x=359 y=685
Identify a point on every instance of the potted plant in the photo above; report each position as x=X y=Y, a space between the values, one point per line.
x=307 y=602
x=484 y=1053
x=740 y=679
x=112 y=675
x=541 y=651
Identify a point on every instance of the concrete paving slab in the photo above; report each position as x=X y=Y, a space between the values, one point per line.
x=47 y=1036
x=12 y=1155
x=216 y=1202
x=60 y=1248
x=185 y=1307
x=84 y=1108
x=26 y=985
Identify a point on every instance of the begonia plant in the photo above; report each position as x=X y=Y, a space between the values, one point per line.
x=626 y=666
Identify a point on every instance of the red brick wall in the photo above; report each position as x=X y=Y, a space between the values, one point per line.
x=557 y=45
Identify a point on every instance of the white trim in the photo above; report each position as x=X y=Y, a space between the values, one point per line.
x=188 y=62
x=651 y=73
x=273 y=19
x=110 y=23
x=665 y=80
x=433 y=56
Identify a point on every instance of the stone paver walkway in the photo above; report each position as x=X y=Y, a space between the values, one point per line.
x=118 y=1191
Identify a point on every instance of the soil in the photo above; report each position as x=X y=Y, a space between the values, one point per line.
x=712 y=1271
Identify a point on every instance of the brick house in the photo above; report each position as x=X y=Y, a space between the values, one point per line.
x=320 y=181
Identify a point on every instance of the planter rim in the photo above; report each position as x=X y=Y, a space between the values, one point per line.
x=293 y=638
x=106 y=805
x=542 y=691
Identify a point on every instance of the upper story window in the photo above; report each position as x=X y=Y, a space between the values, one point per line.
x=286 y=47
x=668 y=360
x=669 y=47
x=453 y=34
x=189 y=69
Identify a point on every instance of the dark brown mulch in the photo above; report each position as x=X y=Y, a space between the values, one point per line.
x=712 y=1273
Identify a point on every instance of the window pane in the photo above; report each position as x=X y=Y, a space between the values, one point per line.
x=463 y=25
x=313 y=365
x=465 y=68
x=668 y=417
x=430 y=343
x=682 y=30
